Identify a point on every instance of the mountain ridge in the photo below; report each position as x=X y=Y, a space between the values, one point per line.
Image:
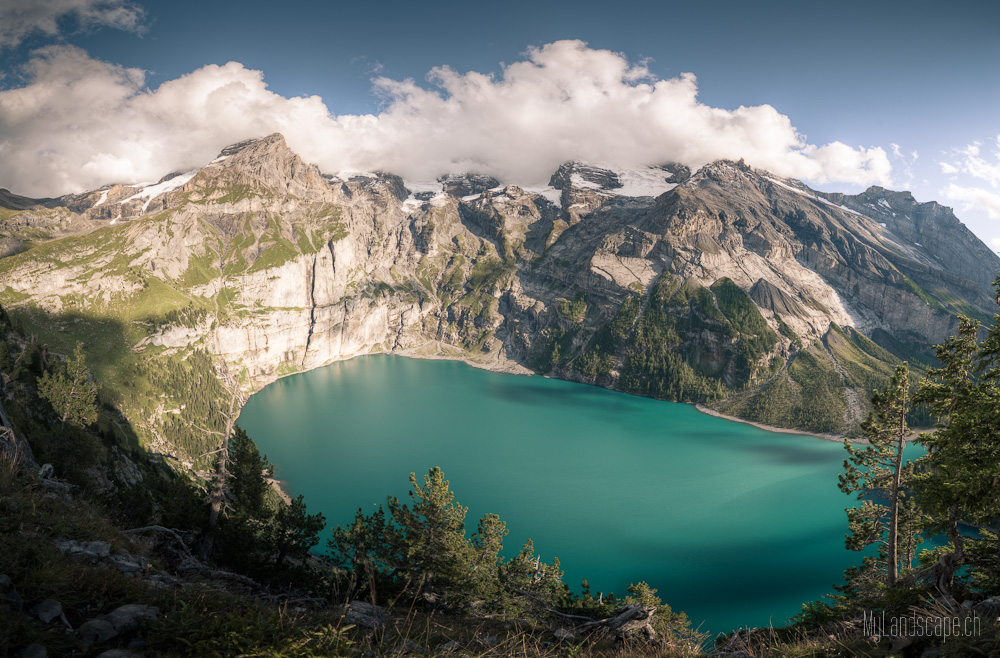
x=732 y=287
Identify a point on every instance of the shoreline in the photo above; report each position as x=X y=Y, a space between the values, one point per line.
x=837 y=438
x=278 y=487
x=440 y=351
x=915 y=432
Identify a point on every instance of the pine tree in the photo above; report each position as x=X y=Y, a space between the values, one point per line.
x=487 y=544
x=294 y=532
x=423 y=547
x=879 y=473
x=72 y=395
x=370 y=548
x=437 y=552
x=988 y=444
x=525 y=575
x=950 y=391
x=248 y=477
x=960 y=478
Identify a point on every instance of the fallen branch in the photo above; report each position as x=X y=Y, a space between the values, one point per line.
x=566 y=616
x=627 y=619
x=160 y=528
x=192 y=563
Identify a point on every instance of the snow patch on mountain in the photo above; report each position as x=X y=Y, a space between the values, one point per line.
x=644 y=182
x=150 y=192
x=814 y=197
x=548 y=192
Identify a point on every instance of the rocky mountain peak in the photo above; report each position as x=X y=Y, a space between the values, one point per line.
x=274 y=140
x=678 y=172
x=268 y=156
x=727 y=172
x=929 y=226
x=880 y=196
x=578 y=174
x=266 y=164
x=381 y=183
x=462 y=185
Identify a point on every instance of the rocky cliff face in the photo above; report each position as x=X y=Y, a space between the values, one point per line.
x=727 y=286
x=927 y=232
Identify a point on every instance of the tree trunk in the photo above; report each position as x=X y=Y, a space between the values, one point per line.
x=946 y=578
x=218 y=497
x=893 y=548
x=955 y=535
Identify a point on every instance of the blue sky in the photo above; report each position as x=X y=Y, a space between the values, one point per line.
x=909 y=91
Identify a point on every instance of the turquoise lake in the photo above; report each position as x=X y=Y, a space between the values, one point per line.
x=732 y=524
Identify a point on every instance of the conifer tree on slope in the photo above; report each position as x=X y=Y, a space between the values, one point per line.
x=424 y=544
x=878 y=474
x=987 y=450
x=72 y=395
x=434 y=526
x=960 y=478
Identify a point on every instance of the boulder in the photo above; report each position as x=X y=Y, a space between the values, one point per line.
x=48 y=610
x=8 y=595
x=96 y=631
x=33 y=651
x=92 y=551
x=124 y=470
x=126 y=618
x=364 y=614
x=129 y=564
x=123 y=619
x=988 y=609
x=162 y=581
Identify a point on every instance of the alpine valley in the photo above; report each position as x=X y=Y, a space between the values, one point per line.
x=728 y=286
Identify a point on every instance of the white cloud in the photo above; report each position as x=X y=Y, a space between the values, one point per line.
x=978 y=167
x=970 y=161
x=21 y=18
x=975 y=198
x=81 y=123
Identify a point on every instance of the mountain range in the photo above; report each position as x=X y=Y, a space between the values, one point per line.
x=728 y=286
